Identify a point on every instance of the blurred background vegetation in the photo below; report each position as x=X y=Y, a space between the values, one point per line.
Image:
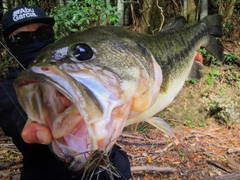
x=146 y=16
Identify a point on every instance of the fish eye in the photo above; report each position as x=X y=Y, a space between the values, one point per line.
x=83 y=52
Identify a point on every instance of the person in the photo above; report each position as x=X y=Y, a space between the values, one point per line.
x=27 y=30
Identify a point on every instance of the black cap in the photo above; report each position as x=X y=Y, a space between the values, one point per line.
x=23 y=15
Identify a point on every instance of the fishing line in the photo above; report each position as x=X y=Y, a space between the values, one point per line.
x=12 y=56
x=17 y=72
x=12 y=101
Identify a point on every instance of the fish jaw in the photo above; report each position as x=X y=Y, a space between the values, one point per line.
x=79 y=128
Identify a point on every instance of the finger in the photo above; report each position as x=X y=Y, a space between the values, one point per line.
x=34 y=132
x=198 y=57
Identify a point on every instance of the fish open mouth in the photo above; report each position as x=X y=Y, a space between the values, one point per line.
x=71 y=140
x=82 y=120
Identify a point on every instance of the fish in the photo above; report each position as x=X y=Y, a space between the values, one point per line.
x=89 y=86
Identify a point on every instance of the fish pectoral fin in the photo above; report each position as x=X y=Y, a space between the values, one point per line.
x=161 y=125
x=195 y=71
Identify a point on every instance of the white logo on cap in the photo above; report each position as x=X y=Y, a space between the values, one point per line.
x=23 y=13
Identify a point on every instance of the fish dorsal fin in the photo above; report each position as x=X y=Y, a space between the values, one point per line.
x=196 y=71
x=178 y=23
x=161 y=125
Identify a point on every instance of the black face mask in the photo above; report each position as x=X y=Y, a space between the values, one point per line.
x=25 y=54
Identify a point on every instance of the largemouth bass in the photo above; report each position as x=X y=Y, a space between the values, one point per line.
x=87 y=87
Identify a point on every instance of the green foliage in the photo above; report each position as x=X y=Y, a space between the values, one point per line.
x=222 y=109
x=236 y=7
x=228 y=29
x=170 y=109
x=181 y=154
x=209 y=57
x=171 y=125
x=188 y=122
x=76 y=16
x=205 y=54
x=4 y=63
x=230 y=58
x=202 y=124
x=233 y=76
x=193 y=81
x=212 y=76
x=215 y=72
x=143 y=127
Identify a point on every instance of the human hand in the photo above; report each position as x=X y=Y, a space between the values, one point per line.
x=198 y=57
x=34 y=132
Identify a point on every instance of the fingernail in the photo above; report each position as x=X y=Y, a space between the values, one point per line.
x=42 y=137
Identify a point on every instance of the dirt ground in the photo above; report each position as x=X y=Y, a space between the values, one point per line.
x=10 y=159
x=196 y=153
x=206 y=153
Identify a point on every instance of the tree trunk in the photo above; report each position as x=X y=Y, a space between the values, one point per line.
x=192 y=12
x=226 y=9
x=151 y=16
x=185 y=10
x=120 y=10
x=204 y=9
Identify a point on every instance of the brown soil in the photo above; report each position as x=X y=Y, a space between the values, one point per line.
x=195 y=153
x=10 y=159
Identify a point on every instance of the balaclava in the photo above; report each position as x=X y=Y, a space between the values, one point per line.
x=19 y=17
x=25 y=54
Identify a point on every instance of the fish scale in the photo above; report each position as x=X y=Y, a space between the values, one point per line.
x=112 y=77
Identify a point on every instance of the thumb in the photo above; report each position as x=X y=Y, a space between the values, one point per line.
x=34 y=132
